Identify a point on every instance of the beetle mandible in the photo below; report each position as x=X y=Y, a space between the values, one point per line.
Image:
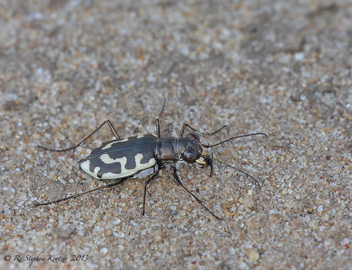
x=144 y=155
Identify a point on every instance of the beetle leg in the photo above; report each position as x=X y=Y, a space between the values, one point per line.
x=202 y=133
x=162 y=109
x=158 y=120
x=158 y=128
x=89 y=191
x=145 y=188
x=178 y=181
x=74 y=147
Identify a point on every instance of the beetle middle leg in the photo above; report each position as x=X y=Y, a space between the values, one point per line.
x=74 y=147
x=178 y=182
x=158 y=120
x=145 y=188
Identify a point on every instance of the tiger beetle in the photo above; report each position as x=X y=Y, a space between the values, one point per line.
x=145 y=155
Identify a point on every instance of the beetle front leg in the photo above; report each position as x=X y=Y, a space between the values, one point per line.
x=178 y=181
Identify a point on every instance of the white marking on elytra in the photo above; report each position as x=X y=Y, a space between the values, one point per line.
x=109 y=145
x=95 y=173
x=85 y=166
x=140 y=136
x=125 y=172
x=108 y=160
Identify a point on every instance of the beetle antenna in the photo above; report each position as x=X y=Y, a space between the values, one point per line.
x=232 y=138
x=247 y=174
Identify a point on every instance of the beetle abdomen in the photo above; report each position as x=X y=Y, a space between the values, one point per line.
x=121 y=158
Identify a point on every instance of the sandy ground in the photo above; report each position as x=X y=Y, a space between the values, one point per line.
x=279 y=67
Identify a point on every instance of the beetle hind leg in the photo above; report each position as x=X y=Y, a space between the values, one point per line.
x=74 y=147
x=118 y=182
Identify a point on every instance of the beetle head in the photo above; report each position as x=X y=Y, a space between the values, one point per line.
x=193 y=149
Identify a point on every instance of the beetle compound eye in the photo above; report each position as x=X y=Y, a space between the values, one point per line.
x=192 y=152
x=190 y=155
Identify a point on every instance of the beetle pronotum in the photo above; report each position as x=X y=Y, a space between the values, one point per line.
x=144 y=155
